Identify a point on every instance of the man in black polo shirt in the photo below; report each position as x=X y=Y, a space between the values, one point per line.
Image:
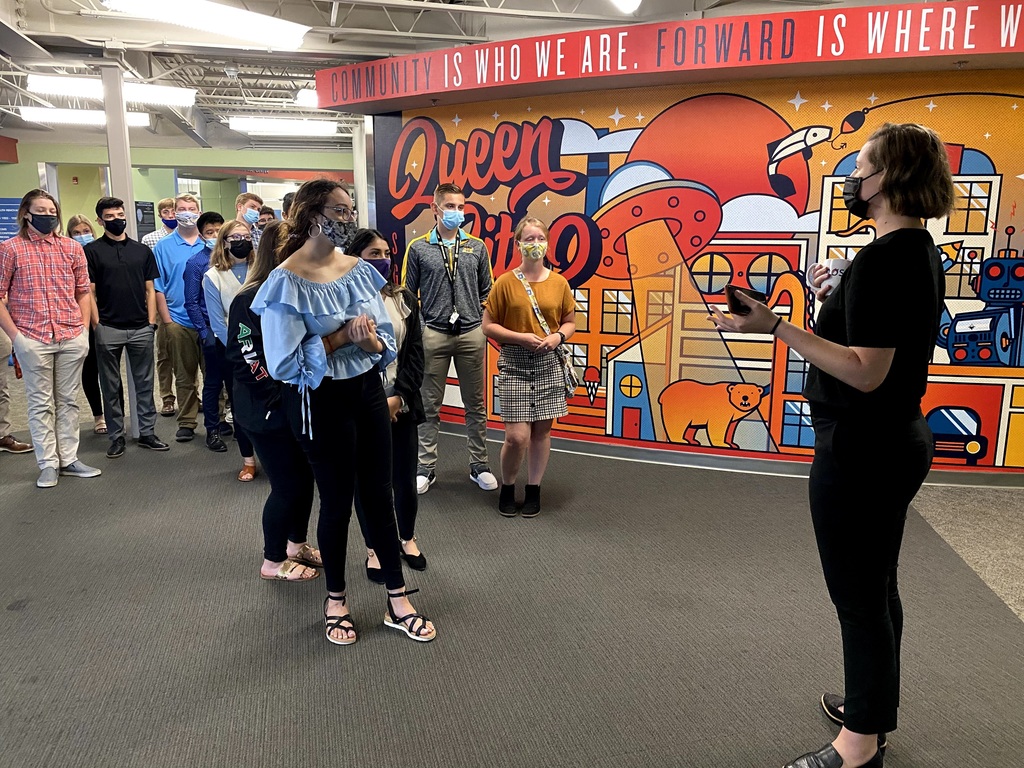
x=121 y=275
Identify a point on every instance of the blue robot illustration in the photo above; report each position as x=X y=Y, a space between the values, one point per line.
x=992 y=336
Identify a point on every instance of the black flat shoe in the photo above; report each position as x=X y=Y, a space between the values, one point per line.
x=827 y=757
x=507 y=501
x=416 y=562
x=376 y=575
x=832 y=704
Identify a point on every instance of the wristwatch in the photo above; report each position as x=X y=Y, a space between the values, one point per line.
x=562 y=335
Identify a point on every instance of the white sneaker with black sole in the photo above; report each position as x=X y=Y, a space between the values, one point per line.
x=423 y=482
x=481 y=475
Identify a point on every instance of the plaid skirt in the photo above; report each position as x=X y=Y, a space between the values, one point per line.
x=531 y=387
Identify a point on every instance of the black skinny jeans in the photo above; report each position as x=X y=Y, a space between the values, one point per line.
x=287 y=509
x=351 y=436
x=864 y=475
x=91 y=378
x=404 y=452
x=217 y=376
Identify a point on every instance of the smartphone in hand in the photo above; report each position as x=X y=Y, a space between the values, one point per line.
x=736 y=306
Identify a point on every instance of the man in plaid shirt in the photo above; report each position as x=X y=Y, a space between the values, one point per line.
x=46 y=280
x=247 y=211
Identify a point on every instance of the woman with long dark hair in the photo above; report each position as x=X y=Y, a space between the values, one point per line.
x=403 y=378
x=326 y=331
x=259 y=415
x=868 y=371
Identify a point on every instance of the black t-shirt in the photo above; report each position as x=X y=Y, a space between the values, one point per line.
x=890 y=297
x=120 y=270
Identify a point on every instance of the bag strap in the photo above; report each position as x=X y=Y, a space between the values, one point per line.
x=533 y=301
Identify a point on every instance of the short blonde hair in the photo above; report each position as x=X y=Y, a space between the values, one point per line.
x=167 y=202
x=186 y=197
x=531 y=221
x=245 y=197
x=77 y=219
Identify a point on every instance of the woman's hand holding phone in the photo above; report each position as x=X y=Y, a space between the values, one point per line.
x=747 y=314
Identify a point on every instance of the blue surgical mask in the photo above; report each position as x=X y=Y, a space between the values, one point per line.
x=211 y=242
x=250 y=216
x=84 y=239
x=452 y=219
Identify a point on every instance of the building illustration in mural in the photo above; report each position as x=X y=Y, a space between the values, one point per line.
x=658 y=198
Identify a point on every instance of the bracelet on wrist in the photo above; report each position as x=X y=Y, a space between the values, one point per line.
x=562 y=335
x=775 y=327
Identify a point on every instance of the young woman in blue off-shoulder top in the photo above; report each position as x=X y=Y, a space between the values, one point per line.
x=326 y=331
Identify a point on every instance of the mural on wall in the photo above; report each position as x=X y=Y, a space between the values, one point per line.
x=659 y=197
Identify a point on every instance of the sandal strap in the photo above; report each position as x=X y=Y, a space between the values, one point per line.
x=339 y=622
x=402 y=594
x=418 y=631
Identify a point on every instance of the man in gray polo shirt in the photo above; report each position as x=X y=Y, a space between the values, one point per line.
x=450 y=271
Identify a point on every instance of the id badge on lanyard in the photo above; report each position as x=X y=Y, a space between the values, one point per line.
x=451 y=265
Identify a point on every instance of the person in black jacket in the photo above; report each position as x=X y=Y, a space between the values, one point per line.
x=402 y=381
x=256 y=402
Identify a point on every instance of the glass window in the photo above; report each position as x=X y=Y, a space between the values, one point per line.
x=711 y=272
x=605 y=351
x=659 y=305
x=582 y=296
x=971 y=203
x=796 y=425
x=617 y=312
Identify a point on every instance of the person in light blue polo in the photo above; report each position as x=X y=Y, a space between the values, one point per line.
x=172 y=255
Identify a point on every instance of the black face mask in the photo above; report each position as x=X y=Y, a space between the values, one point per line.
x=241 y=249
x=851 y=195
x=44 y=224
x=115 y=227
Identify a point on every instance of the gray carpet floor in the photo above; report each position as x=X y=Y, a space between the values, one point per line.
x=651 y=616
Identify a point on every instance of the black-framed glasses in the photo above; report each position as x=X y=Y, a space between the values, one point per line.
x=238 y=238
x=346 y=213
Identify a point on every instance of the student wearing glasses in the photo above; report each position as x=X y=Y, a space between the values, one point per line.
x=229 y=266
x=327 y=334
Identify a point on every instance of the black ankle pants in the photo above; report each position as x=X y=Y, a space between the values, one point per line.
x=351 y=436
x=287 y=509
x=865 y=473
x=404 y=453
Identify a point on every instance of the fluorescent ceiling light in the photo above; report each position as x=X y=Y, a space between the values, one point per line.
x=92 y=88
x=207 y=16
x=96 y=117
x=282 y=126
x=307 y=99
x=627 y=6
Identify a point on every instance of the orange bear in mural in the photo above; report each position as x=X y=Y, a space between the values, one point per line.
x=688 y=405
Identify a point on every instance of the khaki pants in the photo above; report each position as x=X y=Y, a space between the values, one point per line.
x=164 y=365
x=467 y=350
x=5 y=393
x=183 y=344
x=53 y=376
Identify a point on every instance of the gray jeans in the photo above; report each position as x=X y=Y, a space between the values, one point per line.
x=53 y=377
x=467 y=350
x=139 y=345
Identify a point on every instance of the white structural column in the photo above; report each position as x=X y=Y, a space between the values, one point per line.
x=119 y=160
x=119 y=154
x=359 y=176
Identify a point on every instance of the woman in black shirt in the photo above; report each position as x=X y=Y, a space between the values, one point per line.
x=256 y=403
x=873 y=449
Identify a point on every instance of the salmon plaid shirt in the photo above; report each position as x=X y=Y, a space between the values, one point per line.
x=42 y=278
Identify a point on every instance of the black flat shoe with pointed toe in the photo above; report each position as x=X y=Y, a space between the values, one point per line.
x=827 y=757
x=832 y=706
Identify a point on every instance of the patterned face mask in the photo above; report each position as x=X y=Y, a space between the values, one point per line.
x=339 y=232
x=535 y=251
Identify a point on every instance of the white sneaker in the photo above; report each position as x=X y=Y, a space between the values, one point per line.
x=423 y=482
x=482 y=476
x=229 y=416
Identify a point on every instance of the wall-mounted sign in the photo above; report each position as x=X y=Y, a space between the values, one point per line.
x=626 y=55
x=9 y=217
x=145 y=217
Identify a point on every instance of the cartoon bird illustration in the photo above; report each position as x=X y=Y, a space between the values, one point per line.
x=798 y=142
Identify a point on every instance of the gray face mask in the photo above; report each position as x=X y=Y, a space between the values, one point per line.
x=339 y=232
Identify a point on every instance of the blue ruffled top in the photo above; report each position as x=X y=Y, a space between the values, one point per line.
x=295 y=313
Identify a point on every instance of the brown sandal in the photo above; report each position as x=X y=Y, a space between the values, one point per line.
x=308 y=556
x=288 y=567
x=248 y=474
